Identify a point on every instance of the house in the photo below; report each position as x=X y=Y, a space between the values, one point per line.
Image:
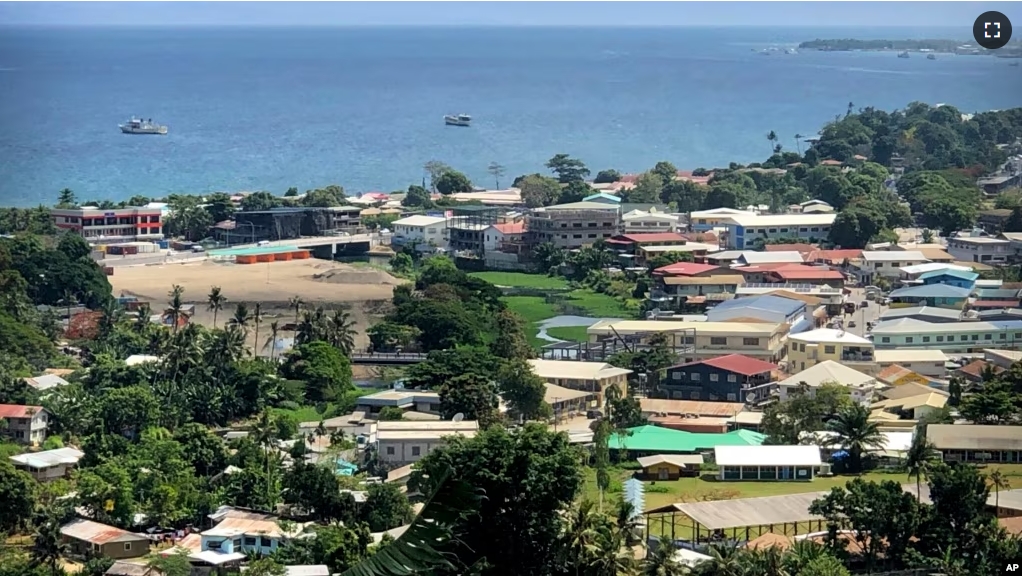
x=815 y=206
x=698 y=250
x=807 y=349
x=45 y=382
x=653 y=407
x=721 y=378
x=833 y=257
x=641 y=221
x=977 y=371
x=1002 y=358
x=696 y=340
x=423 y=401
x=603 y=198
x=246 y=532
x=633 y=245
x=126 y=568
x=24 y=424
x=992 y=221
x=952 y=338
x=915 y=271
x=401 y=442
x=887 y=264
x=87 y=538
x=860 y=386
x=913 y=407
x=48 y=464
x=419 y=229
x=573 y=225
x=932 y=363
x=765 y=308
x=939 y=295
x=976 y=443
x=743 y=230
x=958 y=278
x=670 y=466
x=684 y=282
x=792 y=274
x=497 y=236
x=658 y=440
x=974 y=246
x=704 y=220
x=767 y=462
x=594 y=377
x=895 y=375
x=933 y=252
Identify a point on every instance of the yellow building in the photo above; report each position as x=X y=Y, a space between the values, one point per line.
x=702 y=340
x=594 y=377
x=895 y=375
x=810 y=348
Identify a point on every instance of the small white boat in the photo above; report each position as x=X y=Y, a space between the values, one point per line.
x=139 y=126
x=457 y=120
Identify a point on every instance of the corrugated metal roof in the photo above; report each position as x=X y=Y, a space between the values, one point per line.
x=766 y=302
x=96 y=533
x=665 y=440
x=18 y=410
x=680 y=460
x=974 y=437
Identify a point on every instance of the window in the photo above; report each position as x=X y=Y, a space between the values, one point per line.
x=390 y=450
x=677 y=375
x=814 y=229
x=1001 y=336
x=732 y=378
x=714 y=377
x=963 y=338
x=718 y=340
x=940 y=338
x=975 y=337
x=416 y=451
x=803 y=229
x=773 y=230
x=732 y=397
x=885 y=340
x=265 y=542
x=576 y=236
x=127 y=546
x=828 y=349
x=694 y=396
x=1018 y=335
x=909 y=340
x=750 y=341
x=926 y=338
x=784 y=230
x=695 y=376
x=988 y=336
x=250 y=541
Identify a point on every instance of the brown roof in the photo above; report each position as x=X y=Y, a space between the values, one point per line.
x=892 y=373
x=974 y=437
x=936 y=254
x=96 y=533
x=803 y=248
x=908 y=390
x=18 y=410
x=705 y=280
x=810 y=300
x=770 y=540
x=1012 y=525
x=719 y=409
x=976 y=367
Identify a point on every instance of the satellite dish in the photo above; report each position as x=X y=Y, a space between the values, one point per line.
x=750 y=397
x=458 y=417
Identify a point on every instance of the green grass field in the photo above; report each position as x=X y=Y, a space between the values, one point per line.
x=569 y=333
x=521 y=280
x=531 y=308
x=599 y=305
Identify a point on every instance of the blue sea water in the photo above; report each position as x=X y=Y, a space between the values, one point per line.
x=265 y=109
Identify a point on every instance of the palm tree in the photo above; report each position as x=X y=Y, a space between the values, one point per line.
x=997 y=482
x=175 y=308
x=48 y=544
x=855 y=433
x=272 y=340
x=918 y=459
x=342 y=332
x=661 y=561
x=264 y=433
x=296 y=303
x=582 y=535
x=215 y=302
x=241 y=317
x=772 y=138
x=142 y=317
x=627 y=522
x=765 y=562
x=257 y=317
x=801 y=553
x=798 y=143
x=725 y=560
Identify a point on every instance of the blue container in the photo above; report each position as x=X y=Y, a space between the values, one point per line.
x=164 y=244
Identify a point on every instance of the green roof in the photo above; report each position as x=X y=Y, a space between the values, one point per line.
x=665 y=440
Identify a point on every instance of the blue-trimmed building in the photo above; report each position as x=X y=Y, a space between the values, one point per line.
x=939 y=295
x=952 y=338
x=603 y=198
x=959 y=278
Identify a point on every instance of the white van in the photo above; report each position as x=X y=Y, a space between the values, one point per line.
x=263 y=243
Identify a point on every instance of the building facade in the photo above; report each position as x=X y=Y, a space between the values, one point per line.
x=571 y=226
x=701 y=340
x=951 y=338
x=24 y=424
x=807 y=349
x=977 y=248
x=743 y=230
x=399 y=442
x=428 y=230
x=726 y=378
x=111 y=226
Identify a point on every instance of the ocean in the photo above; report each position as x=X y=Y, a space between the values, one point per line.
x=266 y=108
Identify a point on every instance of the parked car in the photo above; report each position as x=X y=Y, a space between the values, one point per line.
x=851 y=323
x=864 y=304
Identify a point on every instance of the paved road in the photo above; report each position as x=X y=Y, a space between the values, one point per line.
x=142 y=260
x=861 y=316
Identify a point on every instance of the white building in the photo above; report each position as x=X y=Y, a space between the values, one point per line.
x=887 y=264
x=767 y=462
x=917 y=270
x=495 y=235
x=860 y=386
x=400 y=442
x=423 y=229
x=973 y=247
x=932 y=363
x=640 y=221
x=704 y=220
x=25 y=424
x=744 y=229
x=48 y=464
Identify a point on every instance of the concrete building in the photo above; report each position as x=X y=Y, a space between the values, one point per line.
x=936 y=295
x=912 y=407
x=238 y=531
x=48 y=464
x=499 y=236
x=110 y=226
x=422 y=401
x=860 y=385
x=932 y=363
x=640 y=221
x=766 y=308
x=951 y=338
x=24 y=424
x=704 y=220
x=87 y=538
x=679 y=283
x=915 y=271
x=593 y=377
x=723 y=378
x=400 y=442
x=743 y=230
x=807 y=349
x=420 y=229
x=700 y=340
x=974 y=443
x=573 y=225
x=888 y=264
x=976 y=247
x=767 y=462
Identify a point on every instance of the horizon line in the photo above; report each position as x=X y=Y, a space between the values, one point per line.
x=465 y=25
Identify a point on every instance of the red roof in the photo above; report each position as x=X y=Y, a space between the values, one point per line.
x=802 y=248
x=511 y=228
x=995 y=304
x=18 y=411
x=834 y=255
x=653 y=237
x=738 y=364
x=684 y=269
x=708 y=237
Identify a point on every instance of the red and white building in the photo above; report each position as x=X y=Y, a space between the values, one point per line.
x=110 y=226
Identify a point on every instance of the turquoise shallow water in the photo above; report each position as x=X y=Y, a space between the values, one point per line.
x=253 y=109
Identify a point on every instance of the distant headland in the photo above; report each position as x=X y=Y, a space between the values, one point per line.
x=1012 y=50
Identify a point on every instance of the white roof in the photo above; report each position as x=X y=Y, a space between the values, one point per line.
x=690 y=557
x=575 y=370
x=913 y=326
x=829 y=336
x=49 y=458
x=978 y=240
x=771 y=257
x=894 y=256
x=747 y=220
x=424 y=430
x=897 y=356
x=686 y=247
x=727 y=255
x=140 y=359
x=718 y=212
x=46 y=381
x=419 y=220
x=893 y=441
x=308 y=570
x=767 y=455
x=829 y=371
x=216 y=558
x=643 y=215
x=931 y=267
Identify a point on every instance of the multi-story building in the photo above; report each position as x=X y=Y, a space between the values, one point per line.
x=466 y=228
x=402 y=442
x=504 y=237
x=976 y=247
x=571 y=226
x=766 y=308
x=418 y=229
x=722 y=378
x=25 y=424
x=704 y=220
x=700 y=340
x=679 y=283
x=743 y=230
x=886 y=263
x=967 y=337
x=593 y=377
x=807 y=349
x=640 y=221
x=110 y=226
x=860 y=385
x=285 y=223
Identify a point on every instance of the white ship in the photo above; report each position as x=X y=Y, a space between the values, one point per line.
x=139 y=126
x=457 y=119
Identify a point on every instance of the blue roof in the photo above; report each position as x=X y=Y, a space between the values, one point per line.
x=766 y=302
x=602 y=196
x=931 y=291
x=960 y=274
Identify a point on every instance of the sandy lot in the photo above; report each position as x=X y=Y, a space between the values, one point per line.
x=365 y=291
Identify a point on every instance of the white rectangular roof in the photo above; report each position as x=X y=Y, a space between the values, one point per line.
x=46 y=381
x=931 y=267
x=570 y=369
x=767 y=455
x=824 y=219
x=49 y=458
x=897 y=356
x=719 y=212
x=771 y=257
x=894 y=256
x=419 y=220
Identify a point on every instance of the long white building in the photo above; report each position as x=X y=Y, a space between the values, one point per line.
x=743 y=229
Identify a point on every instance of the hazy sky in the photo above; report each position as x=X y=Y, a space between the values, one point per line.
x=913 y=14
